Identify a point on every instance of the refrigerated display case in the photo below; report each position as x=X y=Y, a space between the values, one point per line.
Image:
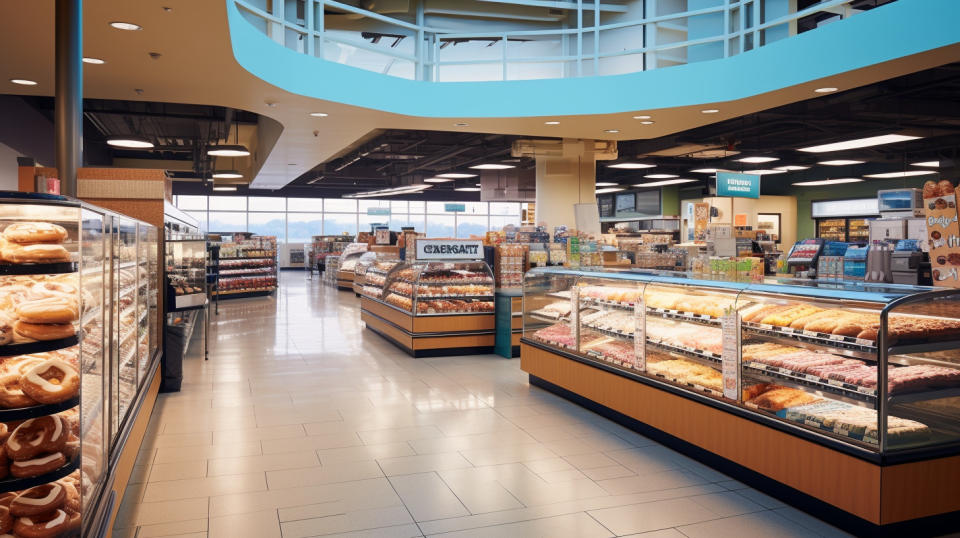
x=368 y=263
x=854 y=374
x=346 y=266
x=435 y=307
x=852 y=230
x=185 y=259
x=326 y=245
x=375 y=277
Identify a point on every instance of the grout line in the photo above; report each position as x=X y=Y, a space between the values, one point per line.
x=598 y=522
x=395 y=492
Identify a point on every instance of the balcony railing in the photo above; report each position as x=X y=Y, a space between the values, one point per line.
x=587 y=39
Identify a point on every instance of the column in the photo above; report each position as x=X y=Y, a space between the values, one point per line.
x=564 y=180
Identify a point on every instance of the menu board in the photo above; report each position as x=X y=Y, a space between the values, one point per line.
x=943 y=232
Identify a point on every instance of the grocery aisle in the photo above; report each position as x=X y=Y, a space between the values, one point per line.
x=304 y=424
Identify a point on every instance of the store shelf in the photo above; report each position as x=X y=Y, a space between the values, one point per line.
x=18 y=484
x=688 y=317
x=23 y=413
x=235 y=292
x=249 y=258
x=38 y=268
x=711 y=358
x=39 y=346
x=830 y=387
x=840 y=345
x=587 y=301
x=245 y=272
x=608 y=332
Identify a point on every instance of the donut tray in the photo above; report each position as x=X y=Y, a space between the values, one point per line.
x=17 y=484
x=38 y=268
x=39 y=346
x=23 y=413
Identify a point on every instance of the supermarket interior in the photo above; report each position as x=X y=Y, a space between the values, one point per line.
x=467 y=268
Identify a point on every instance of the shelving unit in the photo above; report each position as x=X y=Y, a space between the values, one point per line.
x=246 y=268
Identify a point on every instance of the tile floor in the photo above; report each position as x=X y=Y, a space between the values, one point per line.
x=302 y=424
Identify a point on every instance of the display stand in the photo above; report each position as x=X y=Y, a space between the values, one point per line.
x=246 y=267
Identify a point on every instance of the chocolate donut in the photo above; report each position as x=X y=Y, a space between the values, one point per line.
x=38 y=466
x=39 y=499
x=43 y=526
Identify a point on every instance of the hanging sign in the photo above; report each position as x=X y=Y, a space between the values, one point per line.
x=943 y=232
x=730 y=356
x=454 y=208
x=738 y=185
x=378 y=211
x=449 y=249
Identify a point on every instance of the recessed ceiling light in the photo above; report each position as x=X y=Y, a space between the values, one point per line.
x=229 y=150
x=319 y=114
x=225 y=188
x=456 y=175
x=94 y=61
x=764 y=172
x=824 y=90
x=23 y=81
x=791 y=167
x=437 y=180
x=227 y=174
x=828 y=182
x=648 y=122
x=467 y=189
x=642 y=117
x=757 y=160
x=551 y=123
x=477 y=184
x=708 y=170
x=929 y=164
x=606 y=184
x=907 y=173
x=609 y=190
x=631 y=166
x=660 y=176
x=860 y=143
x=132 y=142
x=120 y=25
x=492 y=166
x=460 y=124
x=839 y=162
x=710 y=111
x=611 y=131
x=665 y=182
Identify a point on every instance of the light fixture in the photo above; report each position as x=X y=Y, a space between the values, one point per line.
x=456 y=175
x=764 y=172
x=708 y=170
x=120 y=25
x=551 y=123
x=224 y=188
x=611 y=131
x=757 y=160
x=860 y=143
x=839 y=162
x=460 y=124
x=131 y=142
x=94 y=61
x=642 y=117
x=646 y=123
x=929 y=164
x=828 y=89
x=710 y=111
x=234 y=150
x=907 y=173
x=609 y=190
x=791 y=167
x=393 y=191
x=631 y=166
x=660 y=176
x=319 y=114
x=437 y=180
x=492 y=166
x=665 y=182
x=23 y=81
x=227 y=174
x=606 y=184
x=828 y=182
x=467 y=189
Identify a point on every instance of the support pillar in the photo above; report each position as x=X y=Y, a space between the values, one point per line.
x=564 y=180
x=68 y=113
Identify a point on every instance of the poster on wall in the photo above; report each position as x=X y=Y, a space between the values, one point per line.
x=943 y=232
x=701 y=216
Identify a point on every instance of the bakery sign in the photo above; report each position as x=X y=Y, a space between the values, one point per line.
x=943 y=232
x=449 y=249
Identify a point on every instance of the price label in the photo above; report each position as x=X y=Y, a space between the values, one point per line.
x=813 y=423
x=766 y=326
x=811 y=377
x=639 y=335
x=835 y=382
x=575 y=315
x=788 y=330
x=864 y=342
x=786 y=371
x=811 y=333
x=730 y=357
x=836 y=337
x=866 y=390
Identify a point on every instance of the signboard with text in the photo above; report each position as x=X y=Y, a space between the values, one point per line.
x=449 y=249
x=943 y=232
x=379 y=211
x=738 y=185
x=454 y=208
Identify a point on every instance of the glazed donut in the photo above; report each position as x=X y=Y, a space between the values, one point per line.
x=38 y=253
x=56 y=309
x=72 y=447
x=39 y=331
x=37 y=436
x=38 y=466
x=35 y=232
x=52 y=381
x=6 y=520
x=6 y=498
x=39 y=499
x=11 y=397
x=4 y=464
x=72 y=501
x=43 y=526
x=54 y=288
x=6 y=332
x=21 y=363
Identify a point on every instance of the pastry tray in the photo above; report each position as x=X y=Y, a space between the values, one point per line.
x=38 y=268
x=850 y=343
x=23 y=413
x=16 y=484
x=39 y=346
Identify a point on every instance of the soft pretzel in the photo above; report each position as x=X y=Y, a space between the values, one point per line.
x=38 y=466
x=39 y=499
x=44 y=526
x=52 y=381
x=37 y=436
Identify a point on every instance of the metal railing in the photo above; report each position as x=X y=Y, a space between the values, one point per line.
x=343 y=33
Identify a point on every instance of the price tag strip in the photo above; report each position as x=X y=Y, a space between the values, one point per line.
x=730 y=358
x=640 y=335
x=575 y=315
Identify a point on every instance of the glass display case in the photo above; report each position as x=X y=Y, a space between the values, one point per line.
x=326 y=245
x=247 y=267
x=344 y=267
x=185 y=258
x=375 y=277
x=872 y=368
x=439 y=288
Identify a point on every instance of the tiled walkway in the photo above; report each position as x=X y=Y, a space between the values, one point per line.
x=302 y=423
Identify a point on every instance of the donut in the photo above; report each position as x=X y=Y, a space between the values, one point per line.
x=6 y=520
x=6 y=498
x=4 y=464
x=44 y=331
x=37 y=436
x=38 y=466
x=39 y=499
x=6 y=332
x=54 y=288
x=72 y=501
x=55 y=309
x=72 y=447
x=52 y=381
x=38 y=253
x=930 y=189
x=34 y=232
x=4 y=433
x=11 y=397
x=43 y=526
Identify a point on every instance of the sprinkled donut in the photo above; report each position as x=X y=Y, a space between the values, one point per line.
x=39 y=499
x=43 y=526
x=50 y=382
x=37 y=436
x=44 y=331
x=35 y=232
x=11 y=397
x=38 y=466
x=56 y=309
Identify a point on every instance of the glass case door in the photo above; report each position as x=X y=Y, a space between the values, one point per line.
x=832 y=229
x=142 y=348
x=126 y=313
x=152 y=236
x=112 y=328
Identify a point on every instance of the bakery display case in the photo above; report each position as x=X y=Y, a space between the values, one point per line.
x=345 y=269
x=323 y=246
x=246 y=268
x=185 y=258
x=434 y=307
x=375 y=277
x=826 y=371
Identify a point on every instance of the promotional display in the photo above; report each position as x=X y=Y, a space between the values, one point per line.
x=701 y=218
x=940 y=207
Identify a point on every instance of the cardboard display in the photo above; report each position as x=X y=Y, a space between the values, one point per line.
x=943 y=233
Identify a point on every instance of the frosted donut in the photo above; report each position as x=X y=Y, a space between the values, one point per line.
x=38 y=253
x=37 y=436
x=40 y=331
x=11 y=396
x=39 y=499
x=72 y=501
x=72 y=447
x=35 y=232
x=52 y=381
x=4 y=464
x=55 y=309
x=53 y=288
x=7 y=498
x=6 y=520
x=38 y=466
x=21 y=363
x=43 y=526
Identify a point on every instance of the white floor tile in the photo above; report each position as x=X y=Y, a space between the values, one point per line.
x=573 y=526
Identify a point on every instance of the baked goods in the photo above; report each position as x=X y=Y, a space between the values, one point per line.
x=34 y=232
x=38 y=499
x=44 y=331
x=685 y=335
x=687 y=373
x=783 y=318
x=45 y=525
x=52 y=381
x=781 y=397
x=56 y=309
x=36 y=253
x=36 y=436
x=558 y=334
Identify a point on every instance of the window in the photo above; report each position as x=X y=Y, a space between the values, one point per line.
x=468 y=225
x=338 y=223
x=192 y=203
x=437 y=208
x=398 y=207
x=498 y=222
x=227 y=221
x=267 y=203
x=505 y=208
x=268 y=224
x=367 y=204
x=440 y=226
x=475 y=208
x=304 y=204
x=228 y=203
x=200 y=216
x=301 y=227
x=339 y=205
x=367 y=220
x=416 y=207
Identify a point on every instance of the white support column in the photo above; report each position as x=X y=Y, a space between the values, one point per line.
x=276 y=28
x=419 y=50
x=309 y=18
x=565 y=180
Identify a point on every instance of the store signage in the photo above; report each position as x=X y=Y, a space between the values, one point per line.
x=730 y=356
x=449 y=249
x=378 y=211
x=738 y=185
x=943 y=232
x=454 y=208
x=640 y=334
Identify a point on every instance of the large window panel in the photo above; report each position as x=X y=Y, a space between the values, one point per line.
x=305 y=204
x=228 y=203
x=417 y=207
x=201 y=216
x=367 y=204
x=497 y=222
x=268 y=224
x=468 y=225
x=440 y=226
x=475 y=208
x=338 y=223
x=437 y=208
x=339 y=205
x=301 y=227
x=398 y=206
x=367 y=221
x=419 y=223
x=192 y=203
x=267 y=203
x=227 y=221
x=505 y=208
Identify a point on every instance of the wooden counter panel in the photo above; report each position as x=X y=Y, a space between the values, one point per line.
x=516 y=323
x=452 y=342
x=345 y=276
x=920 y=489
x=454 y=323
x=387 y=329
x=515 y=339
x=390 y=314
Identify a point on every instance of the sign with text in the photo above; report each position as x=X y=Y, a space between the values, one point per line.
x=379 y=211
x=738 y=185
x=449 y=249
x=454 y=208
x=640 y=334
x=943 y=233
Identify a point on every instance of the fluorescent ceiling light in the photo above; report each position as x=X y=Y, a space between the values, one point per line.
x=492 y=166
x=709 y=111
x=764 y=172
x=456 y=175
x=23 y=81
x=665 y=182
x=791 y=167
x=94 y=61
x=708 y=170
x=607 y=184
x=120 y=25
x=132 y=142
x=828 y=182
x=609 y=190
x=631 y=166
x=860 y=143
x=611 y=131
x=393 y=191
x=907 y=173
x=437 y=180
x=319 y=114
x=648 y=122
x=642 y=117
x=551 y=123
x=225 y=188
x=839 y=162
x=823 y=90
x=228 y=151
x=930 y=164
x=757 y=160
x=467 y=189
x=227 y=174
x=660 y=176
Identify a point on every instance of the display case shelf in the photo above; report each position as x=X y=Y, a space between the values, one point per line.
x=18 y=484
x=24 y=413
x=56 y=268
x=842 y=345
x=39 y=346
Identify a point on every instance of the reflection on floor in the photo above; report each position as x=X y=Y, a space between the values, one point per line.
x=304 y=424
